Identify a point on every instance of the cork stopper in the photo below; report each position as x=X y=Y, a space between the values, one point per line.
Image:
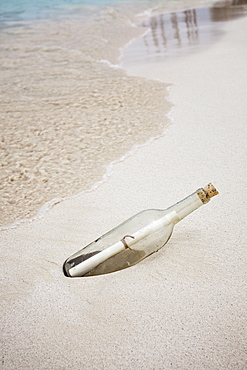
x=210 y=190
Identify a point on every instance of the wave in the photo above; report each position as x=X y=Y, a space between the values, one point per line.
x=75 y=84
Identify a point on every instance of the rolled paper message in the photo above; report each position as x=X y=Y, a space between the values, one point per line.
x=89 y=264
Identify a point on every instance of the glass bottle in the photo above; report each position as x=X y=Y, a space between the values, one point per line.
x=134 y=239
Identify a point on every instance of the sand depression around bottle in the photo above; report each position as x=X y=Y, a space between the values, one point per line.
x=146 y=232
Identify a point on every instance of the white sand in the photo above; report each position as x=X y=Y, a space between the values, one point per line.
x=182 y=308
x=61 y=107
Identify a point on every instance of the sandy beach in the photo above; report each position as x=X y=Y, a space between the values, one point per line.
x=181 y=308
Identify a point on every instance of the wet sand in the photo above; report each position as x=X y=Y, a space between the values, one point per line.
x=181 y=308
x=66 y=112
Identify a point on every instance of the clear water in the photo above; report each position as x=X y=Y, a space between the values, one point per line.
x=35 y=9
x=20 y=10
x=175 y=34
x=67 y=112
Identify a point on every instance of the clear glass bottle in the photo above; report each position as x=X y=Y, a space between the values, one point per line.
x=134 y=239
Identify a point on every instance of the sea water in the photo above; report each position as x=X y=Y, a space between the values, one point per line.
x=19 y=10
x=30 y=9
x=68 y=109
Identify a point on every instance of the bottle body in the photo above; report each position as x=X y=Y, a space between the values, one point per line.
x=133 y=240
x=128 y=256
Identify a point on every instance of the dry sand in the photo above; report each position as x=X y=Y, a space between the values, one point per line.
x=182 y=308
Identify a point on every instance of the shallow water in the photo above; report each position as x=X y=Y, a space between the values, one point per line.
x=19 y=10
x=67 y=109
x=174 y=34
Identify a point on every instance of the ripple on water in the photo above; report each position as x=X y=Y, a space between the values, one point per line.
x=65 y=114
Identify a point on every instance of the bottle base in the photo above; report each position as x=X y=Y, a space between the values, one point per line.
x=65 y=271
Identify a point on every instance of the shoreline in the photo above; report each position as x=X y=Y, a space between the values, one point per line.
x=63 y=168
x=181 y=308
x=42 y=211
x=75 y=116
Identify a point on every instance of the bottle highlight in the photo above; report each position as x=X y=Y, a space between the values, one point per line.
x=135 y=239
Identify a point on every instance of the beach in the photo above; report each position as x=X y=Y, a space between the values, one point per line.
x=65 y=107
x=183 y=307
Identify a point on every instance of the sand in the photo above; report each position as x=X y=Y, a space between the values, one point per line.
x=67 y=109
x=181 y=308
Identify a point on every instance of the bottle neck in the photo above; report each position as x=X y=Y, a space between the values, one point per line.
x=190 y=204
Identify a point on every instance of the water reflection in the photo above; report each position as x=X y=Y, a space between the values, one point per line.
x=228 y=10
x=178 y=33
